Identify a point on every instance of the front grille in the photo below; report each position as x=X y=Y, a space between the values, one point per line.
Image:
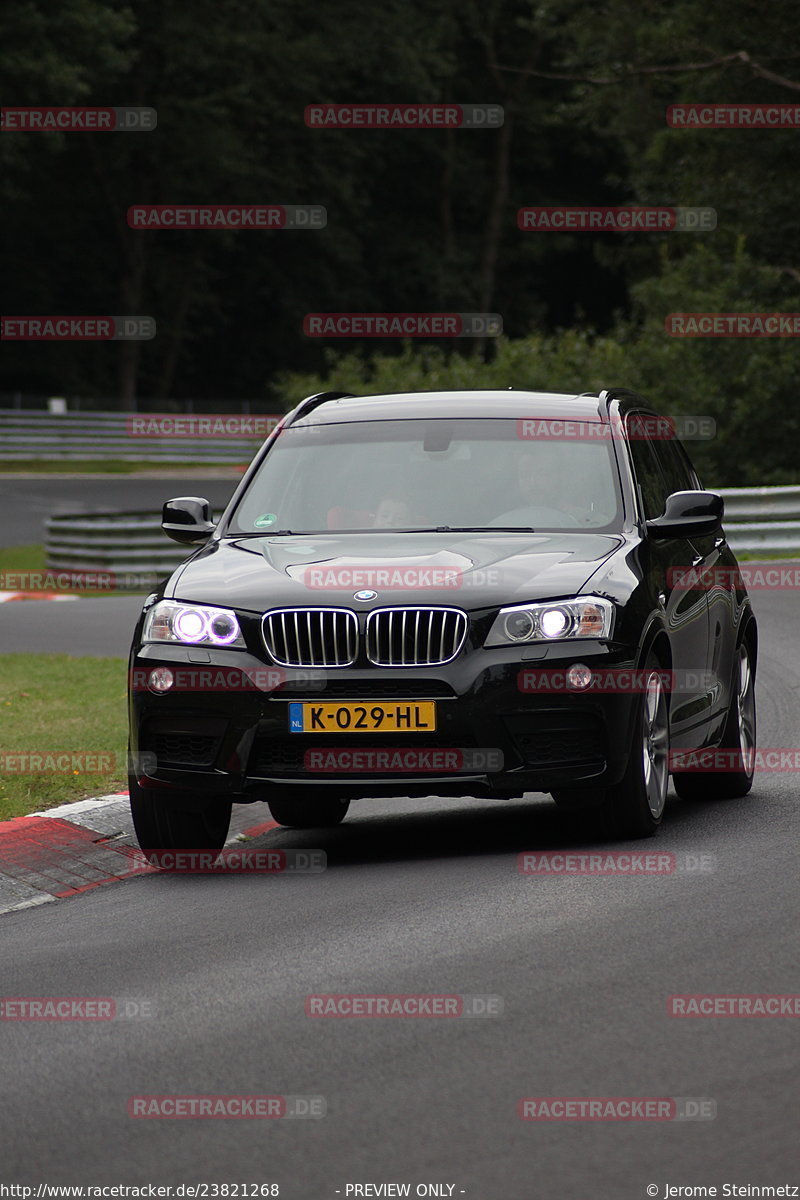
x=183 y=749
x=311 y=637
x=557 y=739
x=415 y=637
x=370 y=689
x=286 y=755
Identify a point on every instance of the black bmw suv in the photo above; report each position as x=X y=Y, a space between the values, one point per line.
x=478 y=593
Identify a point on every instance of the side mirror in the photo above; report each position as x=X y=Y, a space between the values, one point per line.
x=188 y=520
x=688 y=514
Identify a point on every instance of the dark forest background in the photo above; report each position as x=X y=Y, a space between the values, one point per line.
x=417 y=220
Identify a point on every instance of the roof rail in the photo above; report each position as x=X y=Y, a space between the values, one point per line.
x=311 y=402
x=608 y=395
x=620 y=393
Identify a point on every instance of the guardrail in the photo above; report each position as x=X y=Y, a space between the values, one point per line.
x=77 y=436
x=763 y=519
x=756 y=520
x=119 y=544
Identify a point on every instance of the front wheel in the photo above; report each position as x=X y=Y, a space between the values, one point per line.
x=738 y=744
x=634 y=808
x=317 y=812
x=173 y=819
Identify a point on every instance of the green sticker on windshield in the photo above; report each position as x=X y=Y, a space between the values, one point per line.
x=265 y=520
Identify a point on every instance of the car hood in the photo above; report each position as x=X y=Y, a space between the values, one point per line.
x=471 y=571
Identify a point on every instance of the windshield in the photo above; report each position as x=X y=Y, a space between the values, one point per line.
x=430 y=474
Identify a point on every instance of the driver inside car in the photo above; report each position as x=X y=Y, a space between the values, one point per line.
x=393 y=512
x=547 y=493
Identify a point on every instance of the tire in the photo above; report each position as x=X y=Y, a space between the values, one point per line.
x=172 y=820
x=635 y=807
x=738 y=737
x=317 y=813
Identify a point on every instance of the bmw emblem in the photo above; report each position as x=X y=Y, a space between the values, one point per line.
x=366 y=594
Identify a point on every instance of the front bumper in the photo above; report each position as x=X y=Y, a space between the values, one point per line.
x=219 y=737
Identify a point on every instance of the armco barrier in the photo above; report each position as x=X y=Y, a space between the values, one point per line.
x=756 y=519
x=763 y=519
x=122 y=543
x=76 y=437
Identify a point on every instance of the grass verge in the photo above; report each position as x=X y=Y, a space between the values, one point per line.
x=51 y=704
x=765 y=555
x=20 y=558
x=113 y=466
x=17 y=563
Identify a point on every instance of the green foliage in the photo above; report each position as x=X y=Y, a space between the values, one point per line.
x=417 y=221
x=747 y=385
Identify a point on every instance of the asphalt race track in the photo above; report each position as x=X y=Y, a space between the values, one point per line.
x=99 y=626
x=25 y=500
x=425 y=897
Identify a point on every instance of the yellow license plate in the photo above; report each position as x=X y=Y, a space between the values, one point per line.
x=384 y=716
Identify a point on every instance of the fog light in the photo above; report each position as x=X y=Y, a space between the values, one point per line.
x=579 y=677
x=161 y=680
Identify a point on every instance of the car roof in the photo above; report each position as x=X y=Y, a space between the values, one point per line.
x=463 y=403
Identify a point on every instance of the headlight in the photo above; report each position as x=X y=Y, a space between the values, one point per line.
x=192 y=625
x=588 y=617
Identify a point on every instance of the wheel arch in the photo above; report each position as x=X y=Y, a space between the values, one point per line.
x=655 y=640
x=749 y=634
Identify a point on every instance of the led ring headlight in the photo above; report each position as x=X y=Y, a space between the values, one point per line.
x=192 y=625
x=223 y=628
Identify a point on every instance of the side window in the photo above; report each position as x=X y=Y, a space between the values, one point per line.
x=673 y=464
x=645 y=467
x=680 y=450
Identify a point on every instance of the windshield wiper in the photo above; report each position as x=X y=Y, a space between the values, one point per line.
x=471 y=529
x=264 y=533
x=270 y=533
